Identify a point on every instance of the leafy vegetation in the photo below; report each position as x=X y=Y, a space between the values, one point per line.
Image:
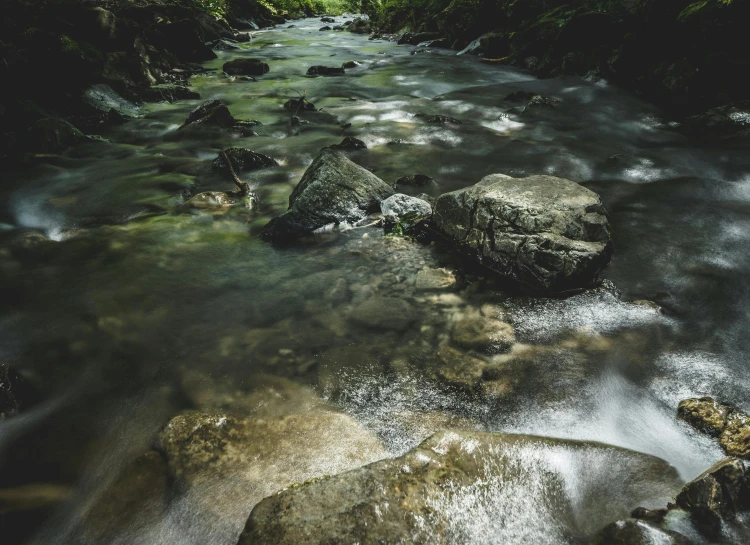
x=218 y=8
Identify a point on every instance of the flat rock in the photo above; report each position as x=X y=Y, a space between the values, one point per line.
x=467 y=487
x=435 y=279
x=223 y=463
x=385 y=313
x=548 y=233
x=333 y=190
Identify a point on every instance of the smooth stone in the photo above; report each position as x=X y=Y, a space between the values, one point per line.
x=467 y=487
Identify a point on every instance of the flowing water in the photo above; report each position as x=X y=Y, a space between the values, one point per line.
x=127 y=293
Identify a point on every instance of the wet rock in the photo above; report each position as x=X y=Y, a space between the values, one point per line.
x=297 y=105
x=137 y=498
x=637 y=532
x=220 y=200
x=438 y=119
x=243 y=160
x=416 y=38
x=704 y=414
x=435 y=279
x=333 y=190
x=224 y=45
x=735 y=439
x=416 y=180
x=512 y=484
x=390 y=313
x=722 y=489
x=721 y=420
x=213 y=112
x=351 y=64
x=327 y=20
x=349 y=143
x=360 y=26
x=16 y=392
x=402 y=213
x=167 y=93
x=223 y=464
x=459 y=369
x=724 y=122
x=245 y=67
x=51 y=135
x=325 y=71
x=649 y=515
x=324 y=28
x=519 y=96
x=103 y=98
x=481 y=333
x=544 y=232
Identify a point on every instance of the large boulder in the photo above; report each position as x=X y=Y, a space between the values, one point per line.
x=468 y=487
x=360 y=26
x=245 y=67
x=333 y=190
x=278 y=435
x=548 y=233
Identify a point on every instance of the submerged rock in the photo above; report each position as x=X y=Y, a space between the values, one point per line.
x=385 y=313
x=544 y=232
x=435 y=279
x=243 y=160
x=245 y=67
x=325 y=71
x=466 y=487
x=487 y=334
x=220 y=200
x=333 y=190
x=460 y=370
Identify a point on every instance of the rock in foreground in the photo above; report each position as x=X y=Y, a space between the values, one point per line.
x=467 y=487
x=333 y=190
x=548 y=233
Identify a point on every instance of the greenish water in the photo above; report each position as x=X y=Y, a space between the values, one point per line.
x=128 y=292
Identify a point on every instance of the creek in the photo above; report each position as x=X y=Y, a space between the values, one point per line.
x=128 y=293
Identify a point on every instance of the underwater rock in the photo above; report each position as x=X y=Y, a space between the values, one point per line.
x=477 y=332
x=465 y=487
x=460 y=370
x=245 y=67
x=333 y=190
x=385 y=313
x=325 y=71
x=548 y=233
x=435 y=279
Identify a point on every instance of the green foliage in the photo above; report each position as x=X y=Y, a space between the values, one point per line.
x=218 y=8
x=702 y=7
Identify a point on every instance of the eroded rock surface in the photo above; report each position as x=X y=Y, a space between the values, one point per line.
x=730 y=425
x=466 y=487
x=545 y=232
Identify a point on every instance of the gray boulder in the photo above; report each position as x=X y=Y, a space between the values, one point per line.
x=333 y=190
x=548 y=233
x=403 y=213
x=467 y=487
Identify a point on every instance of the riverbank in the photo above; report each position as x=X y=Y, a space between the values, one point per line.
x=686 y=56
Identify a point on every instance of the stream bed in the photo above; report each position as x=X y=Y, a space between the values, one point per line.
x=125 y=309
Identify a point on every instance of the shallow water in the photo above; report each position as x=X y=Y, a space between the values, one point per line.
x=129 y=292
